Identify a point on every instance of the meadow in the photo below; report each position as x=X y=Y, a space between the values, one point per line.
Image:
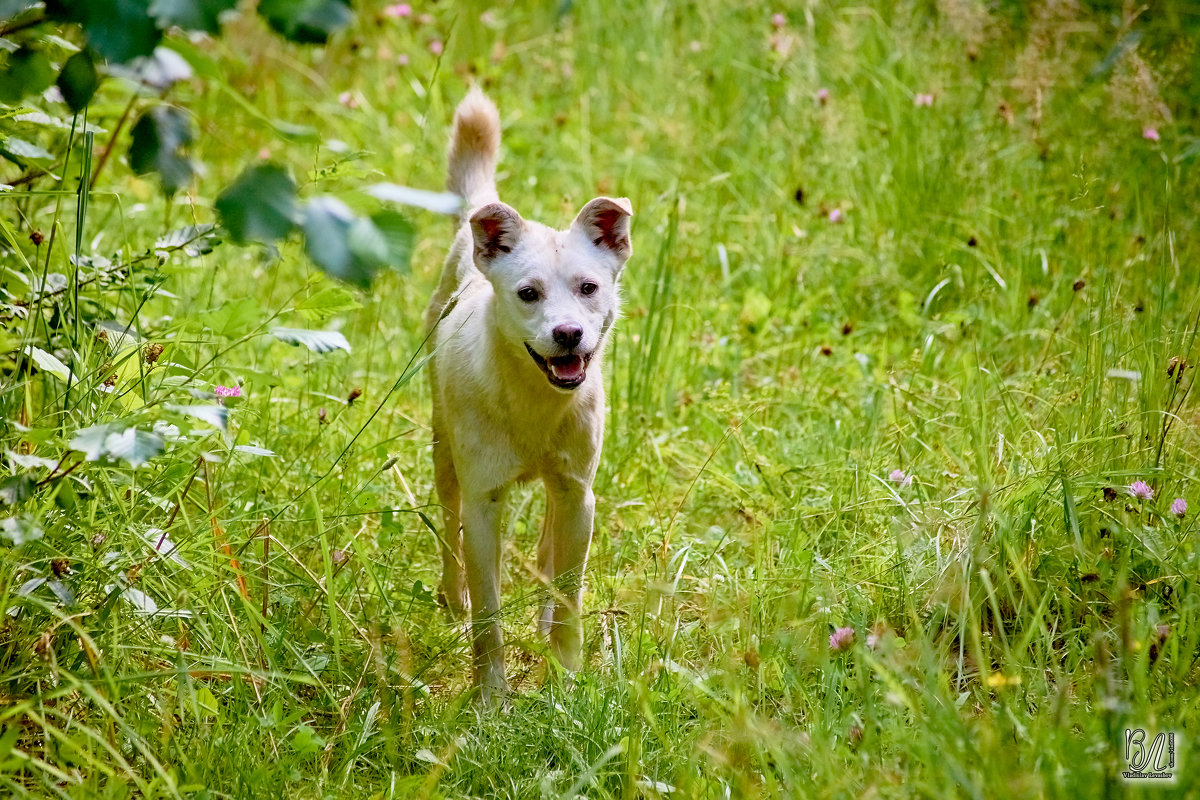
x=901 y=478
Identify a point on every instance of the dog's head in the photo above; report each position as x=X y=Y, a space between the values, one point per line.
x=555 y=291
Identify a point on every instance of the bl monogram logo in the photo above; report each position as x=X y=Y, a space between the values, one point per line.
x=1149 y=759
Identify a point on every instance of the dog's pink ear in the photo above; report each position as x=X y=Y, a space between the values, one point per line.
x=496 y=228
x=605 y=222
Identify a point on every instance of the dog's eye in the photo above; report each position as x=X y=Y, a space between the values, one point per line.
x=588 y=288
x=528 y=294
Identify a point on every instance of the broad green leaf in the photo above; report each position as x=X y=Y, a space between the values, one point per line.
x=21 y=151
x=159 y=139
x=317 y=341
x=28 y=72
x=132 y=445
x=252 y=450
x=119 y=30
x=47 y=362
x=30 y=461
x=352 y=248
x=438 y=202
x=234 y=318
x=160 y=70
x=192 y=15
x=141 y=602
x=16 y=489
x=367 y=243
x=113 y=440
x=217 y=416
x=260 y=205
x=306 y=21
x=19 y=530
x=10 y=8
x=400 y=236
x=327 y=224
x=78 y=80
x=206 y=702
x=327 y=302
x=194 y=240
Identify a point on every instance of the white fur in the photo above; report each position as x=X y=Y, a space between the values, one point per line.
x=498 y=417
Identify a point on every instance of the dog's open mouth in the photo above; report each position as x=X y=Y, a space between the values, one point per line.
x=565 y=372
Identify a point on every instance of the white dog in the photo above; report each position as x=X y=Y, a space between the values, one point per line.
x=518 y=325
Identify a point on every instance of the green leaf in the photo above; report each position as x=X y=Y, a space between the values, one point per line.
x=28 y=72
x=194 y=240
x=352 y=248
x=326 y=230
x=119 y=30
x=206 y=702
x=305 y=741
x=116 y=441
x=400 y=236
x=317 y=341
x=47 y=362
x=159 y=139
x=192 y=15
x=260 y=205
x=327 y=302
x=437 y=202
x=233 y=318
x=19 y=530
x=16 y=489
x=78 y=80
x=306 y=21
x=10 y=8
x=21 y=152
x=217 y=416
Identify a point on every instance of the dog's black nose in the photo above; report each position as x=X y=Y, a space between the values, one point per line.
x=569 y=336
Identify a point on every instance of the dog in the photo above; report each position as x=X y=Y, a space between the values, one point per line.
x=517 y=328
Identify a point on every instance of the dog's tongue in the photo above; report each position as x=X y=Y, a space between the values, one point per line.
x=566 y=368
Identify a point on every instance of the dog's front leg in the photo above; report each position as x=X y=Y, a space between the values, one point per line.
x=574 y=506
x=481 y=551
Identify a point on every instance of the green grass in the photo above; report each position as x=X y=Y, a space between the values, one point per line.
x=1000 y=253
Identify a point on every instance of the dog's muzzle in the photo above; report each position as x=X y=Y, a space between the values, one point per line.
x=565 y=372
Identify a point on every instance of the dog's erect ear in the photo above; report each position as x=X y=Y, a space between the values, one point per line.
x=605 y=222
x=496 y=228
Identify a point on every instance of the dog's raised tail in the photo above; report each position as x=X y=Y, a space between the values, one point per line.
x=474 y=144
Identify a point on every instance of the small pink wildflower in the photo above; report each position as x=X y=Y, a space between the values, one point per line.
x=695 y=46
x=1179 y=507
x=823 y=96
x=835 y=216
x=223 y=392
x=402 y=60
x=873 y=640
x=348 y=100
x=841 y=639
x=900 y=478
x=1150 y=133
x=436 y=47
x=1141 y=490
x=778 y=20
x=398 y=10
x=923 y=99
